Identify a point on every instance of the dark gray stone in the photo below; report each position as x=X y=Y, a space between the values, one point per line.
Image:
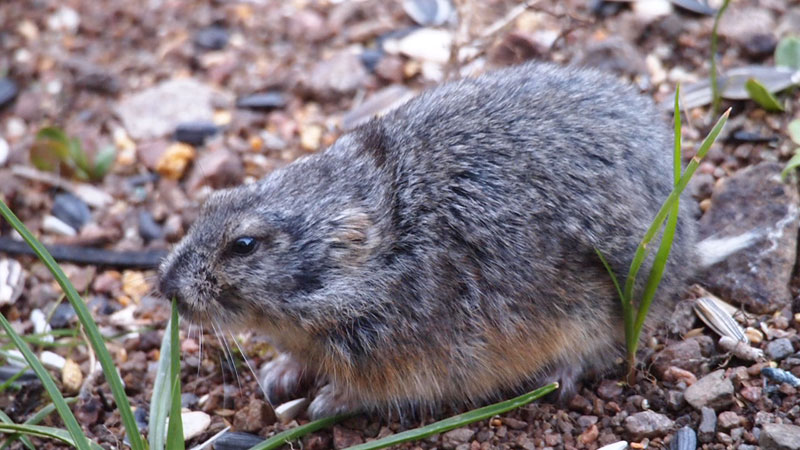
x=708 y=425
x=754 y=200
x=237 y=441
x=265 y=101
x=779 y=349
x=195 y=133
x=149 y=229
x=214 y=37
x=71 y=210
x=8 y=91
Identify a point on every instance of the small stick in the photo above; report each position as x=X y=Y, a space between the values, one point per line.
x=145 y=259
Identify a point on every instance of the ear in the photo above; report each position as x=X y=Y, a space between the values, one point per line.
x=353 y=236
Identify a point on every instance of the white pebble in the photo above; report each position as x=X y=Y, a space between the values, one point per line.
x=194 y=423
x=12 y=279
x=52 y=360
x=53 y=224
x=40 y=324
x=291 y=409
x=621 y=445
x=4 y=151
x=16 y=359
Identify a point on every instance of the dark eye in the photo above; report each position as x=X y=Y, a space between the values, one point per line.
x=244 y=246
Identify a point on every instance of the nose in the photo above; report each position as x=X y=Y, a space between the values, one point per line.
x=168 y=285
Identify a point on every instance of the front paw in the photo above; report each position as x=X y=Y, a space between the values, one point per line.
x=331 y=402
x=284 y=378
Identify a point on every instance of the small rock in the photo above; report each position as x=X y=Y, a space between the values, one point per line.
x=174 y=160
x=344 y=437
x=63 y=316
x=391 y=68
x=265 y=101
x=779 y=437
x=4 y=151
x=254 y=417
x=71 y=210
x=195 y=133
x=12 y=280
x=754 y=200
x=685 y=354
x=286 y=412
x=615 y=55
x=71 y=376
x=586 y=421
x=40 y=325
x=647 y=424
x=338 y=76
x=454 y=438
x=713 y=390
x=675 y=400
x=214 y=37
x=149 y=229
x=52 y=360
x=684 y=439
x=234 y=440
x=64 y=19
x=780 y=376
x=8 y=91
x=708 y=425
x=429 y=12
x=310 y=137
x=743 y=25
x=609 y=390
x=54 y=225
x=779 y=349
x=424 y=44
x=370 y=58
x=157 y=111
x=195 y=423
x=621 y=445
x=590 y=435
x=728 y=420
x=217 y=168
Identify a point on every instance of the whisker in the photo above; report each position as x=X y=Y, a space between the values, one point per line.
x=227 y=350
x=249 y=366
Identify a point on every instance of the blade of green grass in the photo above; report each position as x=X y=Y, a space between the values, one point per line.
x=25 y=441
x=458 y=421
x=71 y=423
x=298 y=432
x=160 y=401
x=175 y=427
x=716 y=95
x=791 y=165
x=761 y=95
x=44 y=432
x=641 y=251
x=95 y=338
x=36 y=418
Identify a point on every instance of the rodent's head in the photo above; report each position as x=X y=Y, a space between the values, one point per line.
x=262 y=254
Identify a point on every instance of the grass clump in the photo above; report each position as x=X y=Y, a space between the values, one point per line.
x=635 y=313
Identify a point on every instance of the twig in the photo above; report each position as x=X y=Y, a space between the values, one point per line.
x=146 y=259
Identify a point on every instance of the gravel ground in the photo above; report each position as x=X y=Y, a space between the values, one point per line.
x=196 y=96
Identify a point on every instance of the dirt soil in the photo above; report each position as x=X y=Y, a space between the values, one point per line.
x=114 y=74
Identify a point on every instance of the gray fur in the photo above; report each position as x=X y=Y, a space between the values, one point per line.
x=446 y=252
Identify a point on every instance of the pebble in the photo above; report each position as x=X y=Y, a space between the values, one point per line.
x=590 y=435
x=40 y=325
x=149 y=229
x=684 y=439
x=454 y=438
x=237 y=441
x=429 y=12
x=52 y=360
x=337 y=76
x=64 y=19
x=586 y=421
x=213 y=37
x=71 y=376
x=779 y=349
x=647 y=424
x=71 y=210
x=370 y=58
x=254 y=416
x=621 y=445
x=779 y=437
x=158 y=110
x=217 y=168
x=8 y=91
x=174 y=160
x=4 y=151
x=713 y=390
x=728 y=420
x=195 y=423
x=54 y=225
x=708 y=425
x=195 y=133
x=286 y=412
x=609 y=389
x=424 y=44
x=265 y=101
x=780 y=376
x=12 y=280
x=310 y=137
x=344 y=437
